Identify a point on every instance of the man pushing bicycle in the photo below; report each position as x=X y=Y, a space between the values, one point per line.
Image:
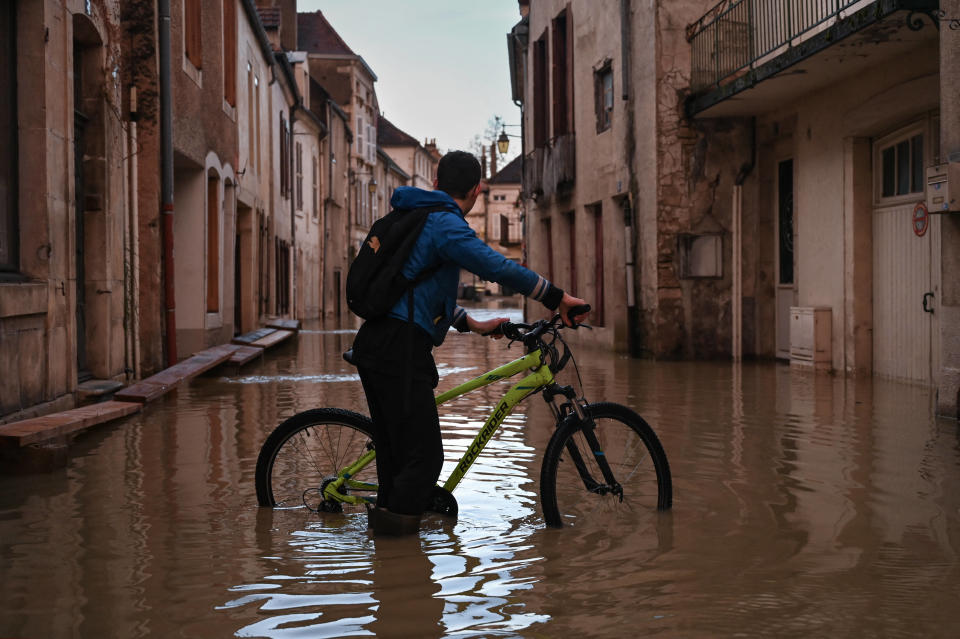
x=393 y=351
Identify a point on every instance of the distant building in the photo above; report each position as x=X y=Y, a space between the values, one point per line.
x=350 y=82
x=415 y=159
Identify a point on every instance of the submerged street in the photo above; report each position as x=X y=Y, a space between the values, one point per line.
x=803 y=505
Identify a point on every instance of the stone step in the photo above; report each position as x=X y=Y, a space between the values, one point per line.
x=40 y=429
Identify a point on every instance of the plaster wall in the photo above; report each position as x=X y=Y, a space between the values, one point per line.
x=948 y=390
x=334 y=165
x=602 y=175
x=39 y=332
x=832 y=150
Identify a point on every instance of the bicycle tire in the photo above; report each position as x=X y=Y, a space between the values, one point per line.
x=306 y=450
x=634 y=454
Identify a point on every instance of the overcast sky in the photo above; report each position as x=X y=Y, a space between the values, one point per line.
x=441 y=65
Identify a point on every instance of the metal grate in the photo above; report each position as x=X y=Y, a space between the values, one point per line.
x=736 y=33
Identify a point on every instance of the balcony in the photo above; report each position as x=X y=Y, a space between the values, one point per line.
x=551 y=169
x=739 y=44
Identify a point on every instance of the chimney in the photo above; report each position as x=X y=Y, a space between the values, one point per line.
x=493 y=159
x=483 y=165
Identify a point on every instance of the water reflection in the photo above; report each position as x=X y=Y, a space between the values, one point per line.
x=804 y=505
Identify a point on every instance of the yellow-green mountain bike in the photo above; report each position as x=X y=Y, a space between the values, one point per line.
x=602 y=459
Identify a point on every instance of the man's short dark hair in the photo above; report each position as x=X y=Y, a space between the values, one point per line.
x=457 y=174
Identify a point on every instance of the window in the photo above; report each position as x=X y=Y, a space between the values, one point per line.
x=562 y=74
x=785 y=221
x=603 y=95
x=9 y=227
x=256 y=100
x=298 y=156
x=251 y=123
x=284 y=157
x=540 y=95
x=901 y=167
x=316 y=181
x=360 y=132
x=230 y=52
x=213 y=244
x=192 y=32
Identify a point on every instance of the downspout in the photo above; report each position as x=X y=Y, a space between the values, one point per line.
x=326 y=206
x=523 y=162
x=291 y=184
x=134 y=236
x=166 y=181
x=736 y=301
x=634 y=325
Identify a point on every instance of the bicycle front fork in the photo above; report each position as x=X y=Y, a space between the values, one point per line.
x=575 y=405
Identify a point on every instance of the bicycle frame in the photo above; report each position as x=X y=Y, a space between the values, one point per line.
x=540 y=377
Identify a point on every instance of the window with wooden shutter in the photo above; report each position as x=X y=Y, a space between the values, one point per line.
x=230 y=52
x=192 y=33
x=562 y=74
x=299 y=160
x=540 y=92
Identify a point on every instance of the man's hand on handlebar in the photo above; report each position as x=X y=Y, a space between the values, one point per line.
x=487 y=327
x=578 y=306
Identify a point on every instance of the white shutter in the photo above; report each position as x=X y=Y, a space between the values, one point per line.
x=360 y=149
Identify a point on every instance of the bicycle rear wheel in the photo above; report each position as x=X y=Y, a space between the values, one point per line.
x=625 y=479
x=306 y=451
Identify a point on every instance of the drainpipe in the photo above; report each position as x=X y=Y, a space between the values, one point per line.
x=634 y=325
x=293 y=212
x=736 y=302
x=523 y=159
x=166 y=180
x=134 y=237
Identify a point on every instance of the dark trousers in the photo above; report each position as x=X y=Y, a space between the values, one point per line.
x=407 y=437
x=396 y=367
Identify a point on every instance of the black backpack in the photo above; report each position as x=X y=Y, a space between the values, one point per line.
x=374 y=281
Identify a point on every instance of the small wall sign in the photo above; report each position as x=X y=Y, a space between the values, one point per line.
x=920 y=220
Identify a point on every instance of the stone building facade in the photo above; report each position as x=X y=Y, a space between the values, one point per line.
x=66 y=152
x=261 y=190
x=350 y=82
x=744 y=177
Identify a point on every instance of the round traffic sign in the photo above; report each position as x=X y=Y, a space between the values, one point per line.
x=920 y=219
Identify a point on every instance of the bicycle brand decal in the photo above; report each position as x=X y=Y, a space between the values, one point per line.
x=502 y=409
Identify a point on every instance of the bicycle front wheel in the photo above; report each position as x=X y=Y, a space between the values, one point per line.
x=310 y=449
x=610 y=467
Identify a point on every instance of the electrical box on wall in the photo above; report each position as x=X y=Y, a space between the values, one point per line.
x=941 y=198
x=811 y=336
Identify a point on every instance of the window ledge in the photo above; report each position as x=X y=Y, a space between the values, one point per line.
x=27 y=298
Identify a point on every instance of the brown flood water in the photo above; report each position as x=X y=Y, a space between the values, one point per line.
x=803 y=506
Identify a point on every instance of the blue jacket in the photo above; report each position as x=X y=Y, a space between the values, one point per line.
x=447 y=238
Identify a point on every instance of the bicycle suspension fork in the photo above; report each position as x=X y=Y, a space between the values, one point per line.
x=575 y=405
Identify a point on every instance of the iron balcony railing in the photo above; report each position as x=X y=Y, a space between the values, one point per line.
x=736 y=33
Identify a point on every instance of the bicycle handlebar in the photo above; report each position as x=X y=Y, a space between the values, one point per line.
x=521 y=331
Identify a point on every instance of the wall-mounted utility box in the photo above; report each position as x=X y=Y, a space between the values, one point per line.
x=811 y=337
x=941 y=198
